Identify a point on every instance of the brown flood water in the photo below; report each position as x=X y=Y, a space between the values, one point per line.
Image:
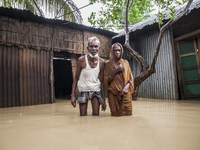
x=154 y=125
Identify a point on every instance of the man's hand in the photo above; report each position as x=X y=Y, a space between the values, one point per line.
x=119 y=68
x=73 y=101
x=103 y=107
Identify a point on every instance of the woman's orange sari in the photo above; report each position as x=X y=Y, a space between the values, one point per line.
x=119 y=105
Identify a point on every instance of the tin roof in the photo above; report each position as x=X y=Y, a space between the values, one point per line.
x=154 y=19
x=28 y=16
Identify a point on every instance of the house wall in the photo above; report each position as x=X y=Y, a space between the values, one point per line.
x=25 y=53
x=163 y=83
x=187 y=24
x=37 y=35
x=9 y=76
x=24 y=77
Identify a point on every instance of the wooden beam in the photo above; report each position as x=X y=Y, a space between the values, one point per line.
x=188 y=54
x=193 y=96
x=187 y=35
x=198 y=53
x=51 y=75
x=179 y=71
x=174 y=62
x=192 y=82
x=83 y=42
x=190 y=68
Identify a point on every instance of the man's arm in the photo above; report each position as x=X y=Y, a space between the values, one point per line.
x=101 y=78
x=78 y=71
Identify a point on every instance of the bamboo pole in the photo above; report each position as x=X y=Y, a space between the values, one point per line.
x=51 y=78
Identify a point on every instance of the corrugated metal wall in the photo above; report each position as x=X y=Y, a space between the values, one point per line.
x=25 y=58
x=163 y=83
x=24 y=76
x=9 y=76
x=34 y=77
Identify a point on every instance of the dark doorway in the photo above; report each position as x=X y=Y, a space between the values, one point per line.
x=63 y=79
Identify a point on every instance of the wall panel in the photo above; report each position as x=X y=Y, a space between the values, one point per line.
x=163 y=83
x=9 y=76
x=24 y=76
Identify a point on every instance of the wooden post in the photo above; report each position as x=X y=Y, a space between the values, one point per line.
x=51 y=69
x=198 y=52
x=174 y=62
x=74 y=61
x=21 y=76
x=83 y=42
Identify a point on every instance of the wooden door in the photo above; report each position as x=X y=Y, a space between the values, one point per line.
x=190 y=69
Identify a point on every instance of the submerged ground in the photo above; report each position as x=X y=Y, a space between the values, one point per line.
x=154 y=125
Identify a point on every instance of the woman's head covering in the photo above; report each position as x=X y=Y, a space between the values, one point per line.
x=112 y=55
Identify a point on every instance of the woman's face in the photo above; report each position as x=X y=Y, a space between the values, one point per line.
x=117 y=51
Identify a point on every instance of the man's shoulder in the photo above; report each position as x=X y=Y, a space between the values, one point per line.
x=101 y=60
x=107 y=62
x=82 y=58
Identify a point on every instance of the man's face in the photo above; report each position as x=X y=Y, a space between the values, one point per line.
x=93 y=47
x=117 y=51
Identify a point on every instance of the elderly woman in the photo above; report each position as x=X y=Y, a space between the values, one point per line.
x=119 y=82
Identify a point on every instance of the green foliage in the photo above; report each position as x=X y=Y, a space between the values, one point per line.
x=160 y=16
x=167 y=5
x=109 y=15
x=172 y=13
x=29 y=5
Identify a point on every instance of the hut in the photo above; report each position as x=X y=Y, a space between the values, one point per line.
x=178 y=65
x=38 y=56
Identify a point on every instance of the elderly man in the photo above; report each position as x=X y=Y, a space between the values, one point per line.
x=119 y=82
x=89 y=79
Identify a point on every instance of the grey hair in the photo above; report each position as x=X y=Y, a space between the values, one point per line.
x=93 y=39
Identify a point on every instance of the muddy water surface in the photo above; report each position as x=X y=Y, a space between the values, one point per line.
x=154 y=125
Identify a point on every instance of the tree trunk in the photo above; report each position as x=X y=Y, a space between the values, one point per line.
x=145 y=70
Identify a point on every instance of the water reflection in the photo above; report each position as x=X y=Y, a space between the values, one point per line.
x=155 y=124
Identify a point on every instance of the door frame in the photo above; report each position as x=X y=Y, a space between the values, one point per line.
x=184 y=38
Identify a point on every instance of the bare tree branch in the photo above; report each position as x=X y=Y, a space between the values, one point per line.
x=74 y=10
x=145 y=70
x=130 y=6
x=138 y=57
x=61 y=8
x=163 y=28
x=120 y=20
x=41 y=13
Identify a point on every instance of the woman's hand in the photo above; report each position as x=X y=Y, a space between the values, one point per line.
x=125 y=89
x=119 y=68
